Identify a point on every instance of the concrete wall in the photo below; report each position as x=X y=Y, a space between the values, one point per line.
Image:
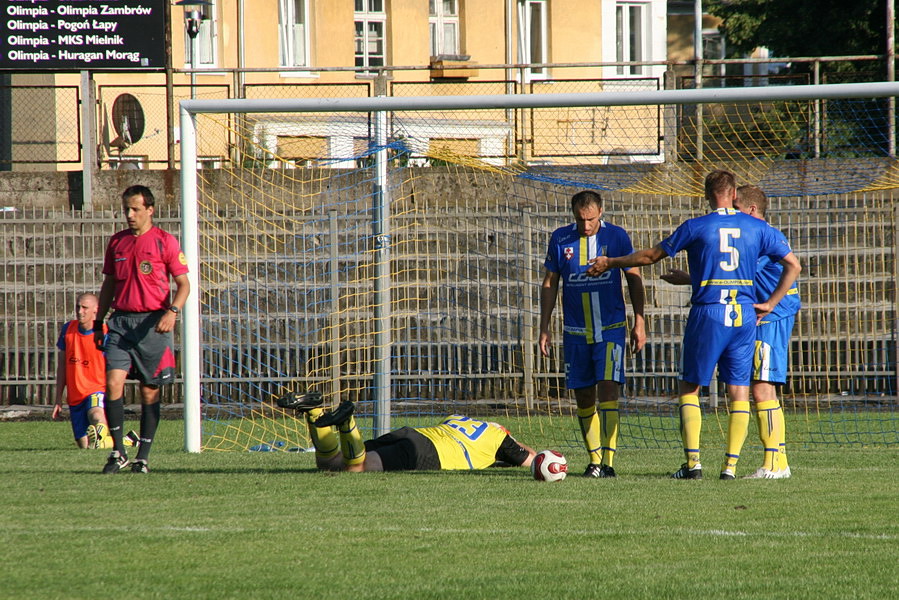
x=62 y=190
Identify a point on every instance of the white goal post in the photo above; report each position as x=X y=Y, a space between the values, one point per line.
x=380 y=107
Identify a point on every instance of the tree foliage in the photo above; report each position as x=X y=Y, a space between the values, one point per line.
x=797 y=28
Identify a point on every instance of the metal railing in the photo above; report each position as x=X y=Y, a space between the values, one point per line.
x=27 y=140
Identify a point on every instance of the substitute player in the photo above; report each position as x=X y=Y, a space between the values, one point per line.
x=137 y=267
x=81 y=376
x=723 y=249
x=458 y=443
x=771 y=356
x=594 y=322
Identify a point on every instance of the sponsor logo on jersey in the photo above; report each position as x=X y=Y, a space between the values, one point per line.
x=584 y=278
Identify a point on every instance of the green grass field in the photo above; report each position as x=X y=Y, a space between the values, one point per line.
x=267 y=525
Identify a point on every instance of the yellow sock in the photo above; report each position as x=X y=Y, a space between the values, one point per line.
x=608 y=412
x=737 y=428
x=325 y=439
x=771 y=427
x=690 y=427
x=351 y=442
x=589 y=422
x=781 y=426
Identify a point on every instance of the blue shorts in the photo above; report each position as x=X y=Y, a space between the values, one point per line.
x=588 y=364
x=78 y=413
x=722 y=335
x=772 y=350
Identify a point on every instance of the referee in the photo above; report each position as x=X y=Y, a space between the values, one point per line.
x=137 y=266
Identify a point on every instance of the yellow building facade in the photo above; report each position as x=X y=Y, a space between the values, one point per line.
x=331 y=48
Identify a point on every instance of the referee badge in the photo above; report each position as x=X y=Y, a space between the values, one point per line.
x=146 y=267
x=181 y=258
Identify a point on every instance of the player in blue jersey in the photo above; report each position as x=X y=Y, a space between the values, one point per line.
x=771 y=356
x=723 y=249
x=594 y=322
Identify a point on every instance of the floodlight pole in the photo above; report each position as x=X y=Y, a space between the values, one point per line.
x=891 y=76
x=193 y=16
x=193 y=28
x=698 y=51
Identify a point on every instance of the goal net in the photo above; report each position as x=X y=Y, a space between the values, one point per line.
x=389 y=251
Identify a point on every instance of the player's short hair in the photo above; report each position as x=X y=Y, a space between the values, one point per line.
x=718 y=182
x=142 y=191
x=585 y=198
x=752 y=195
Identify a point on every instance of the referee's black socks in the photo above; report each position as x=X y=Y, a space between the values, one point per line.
x=115 y=418
x=149 y=421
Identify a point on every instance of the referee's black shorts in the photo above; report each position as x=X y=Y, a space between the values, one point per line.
x=134 y=345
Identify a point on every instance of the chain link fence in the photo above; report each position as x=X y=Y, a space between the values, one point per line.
x=39 y=126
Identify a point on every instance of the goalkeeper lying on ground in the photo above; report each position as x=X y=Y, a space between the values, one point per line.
x=457 y=443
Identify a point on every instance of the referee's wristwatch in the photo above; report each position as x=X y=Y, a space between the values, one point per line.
x=175 y=309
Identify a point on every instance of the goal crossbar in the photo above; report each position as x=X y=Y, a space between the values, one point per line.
x=189 y=109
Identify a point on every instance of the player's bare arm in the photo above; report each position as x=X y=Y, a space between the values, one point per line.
x=640 y=258
x=637 y=294
x=531 y=454
x=167 y=321
x=791 y=271
x=549 y=292
x=60 y=385
x=104 y=301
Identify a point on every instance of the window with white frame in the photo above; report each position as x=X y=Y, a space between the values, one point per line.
x=206 y=39
x=443 y=24
x=634 y=31
x=713 y=48
x=631 y=36
x=533 y=36
x=370 y=20
x=293 y=31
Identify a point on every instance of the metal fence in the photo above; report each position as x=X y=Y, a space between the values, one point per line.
x=844 y=342
x=49 y=258
x=135 y=124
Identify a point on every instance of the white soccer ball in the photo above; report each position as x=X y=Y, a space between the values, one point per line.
x=549 y=465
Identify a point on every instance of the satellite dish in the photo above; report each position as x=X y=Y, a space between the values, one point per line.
x=127 y=120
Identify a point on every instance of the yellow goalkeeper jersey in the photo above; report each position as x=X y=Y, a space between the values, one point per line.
x=465 y=443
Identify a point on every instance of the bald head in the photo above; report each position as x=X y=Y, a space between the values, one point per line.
x=86 y=310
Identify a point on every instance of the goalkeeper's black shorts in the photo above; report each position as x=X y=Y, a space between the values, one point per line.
x=405 y=450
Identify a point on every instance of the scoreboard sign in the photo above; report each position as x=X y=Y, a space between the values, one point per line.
x=82 y=35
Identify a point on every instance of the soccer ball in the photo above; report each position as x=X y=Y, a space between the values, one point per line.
x=549 y=465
